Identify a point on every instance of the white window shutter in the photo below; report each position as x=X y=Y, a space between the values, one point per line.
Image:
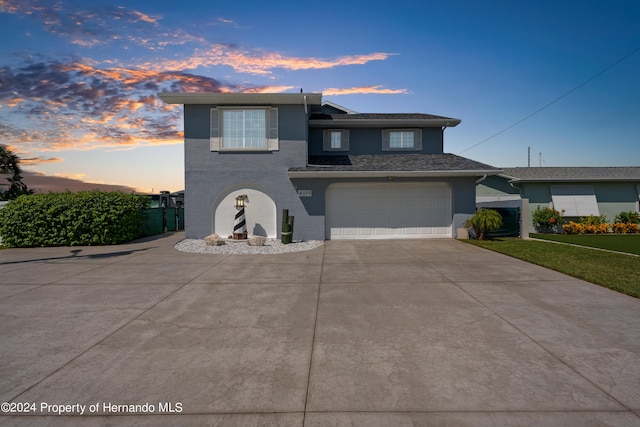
x=575 y=200
x=272 y=137
x=345 y=140
x=215 y=129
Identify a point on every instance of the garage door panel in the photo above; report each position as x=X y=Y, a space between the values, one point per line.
x=388 y=210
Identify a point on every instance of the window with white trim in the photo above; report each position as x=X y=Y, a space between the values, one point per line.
x=335 y=140
x=244 y=129
x=401 y=139
x=575 y=200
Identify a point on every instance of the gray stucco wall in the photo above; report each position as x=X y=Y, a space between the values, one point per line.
x=209 y=176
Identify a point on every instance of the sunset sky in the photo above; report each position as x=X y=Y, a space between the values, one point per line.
x=79 y=79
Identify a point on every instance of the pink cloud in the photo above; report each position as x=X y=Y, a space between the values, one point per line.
x=365 y=90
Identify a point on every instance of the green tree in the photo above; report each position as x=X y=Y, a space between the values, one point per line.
x=483 y=221
x=9 y=164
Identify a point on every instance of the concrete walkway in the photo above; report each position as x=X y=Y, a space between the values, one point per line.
x=393 y=333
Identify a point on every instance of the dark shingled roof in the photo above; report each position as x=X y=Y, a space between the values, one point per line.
x=393 y=162
x=611 y=173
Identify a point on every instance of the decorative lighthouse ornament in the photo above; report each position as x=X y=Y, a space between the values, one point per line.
x=240 y=223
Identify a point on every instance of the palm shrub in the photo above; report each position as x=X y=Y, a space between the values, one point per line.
x=483 y=221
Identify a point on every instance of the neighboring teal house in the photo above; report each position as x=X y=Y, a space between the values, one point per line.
x=579 y=191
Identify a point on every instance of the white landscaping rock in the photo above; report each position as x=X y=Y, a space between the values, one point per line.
x=257 y=241
x=214 y=240
x=271 y=246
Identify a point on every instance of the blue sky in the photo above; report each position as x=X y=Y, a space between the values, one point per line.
x=78 y=79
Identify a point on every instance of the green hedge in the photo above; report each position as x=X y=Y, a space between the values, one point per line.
x=71 y=219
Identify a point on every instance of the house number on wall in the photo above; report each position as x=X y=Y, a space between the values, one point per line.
x=304 y=193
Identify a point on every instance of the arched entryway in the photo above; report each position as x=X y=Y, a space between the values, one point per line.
x=260 y=212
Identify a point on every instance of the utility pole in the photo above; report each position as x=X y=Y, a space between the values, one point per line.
x=528 y=157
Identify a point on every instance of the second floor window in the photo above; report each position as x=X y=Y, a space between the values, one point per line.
x=244 y=129
x=336 y=140
x=401 y=139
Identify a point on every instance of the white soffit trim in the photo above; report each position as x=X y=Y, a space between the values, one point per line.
x=575 y=200
x=241 y=98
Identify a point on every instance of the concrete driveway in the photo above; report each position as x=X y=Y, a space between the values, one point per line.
x=382 y=333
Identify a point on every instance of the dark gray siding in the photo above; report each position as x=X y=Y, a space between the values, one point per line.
x=369 y=141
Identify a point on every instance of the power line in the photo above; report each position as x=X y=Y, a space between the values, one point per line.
x=554 y=101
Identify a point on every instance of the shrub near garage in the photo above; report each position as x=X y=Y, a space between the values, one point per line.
x=547 y=220
x=71 y=219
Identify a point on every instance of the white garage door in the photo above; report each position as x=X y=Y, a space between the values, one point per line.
x=388 y=210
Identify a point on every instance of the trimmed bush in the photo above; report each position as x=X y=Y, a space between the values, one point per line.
x=625 y=228
x=72 y=219
x=585 y=227
x=547 y=220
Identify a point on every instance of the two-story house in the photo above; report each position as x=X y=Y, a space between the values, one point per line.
x=343 y=175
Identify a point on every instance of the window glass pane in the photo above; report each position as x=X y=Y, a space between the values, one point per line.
x=232 y=129
x=407 y=139
x=255 y=129
x=244 y=129
x=336 y=139
x=401 y=139
x=395 y=139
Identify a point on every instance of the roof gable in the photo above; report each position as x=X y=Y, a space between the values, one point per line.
x=329 y=107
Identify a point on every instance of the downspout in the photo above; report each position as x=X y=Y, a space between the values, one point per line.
x=307 y=128
x=479 y=180
x=514 y=184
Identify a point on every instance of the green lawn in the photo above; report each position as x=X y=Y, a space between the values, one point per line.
x=614 y=271
x=628 y=243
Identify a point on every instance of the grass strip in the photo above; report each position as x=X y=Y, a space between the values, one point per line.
x=628 y=243
x=614 y=271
